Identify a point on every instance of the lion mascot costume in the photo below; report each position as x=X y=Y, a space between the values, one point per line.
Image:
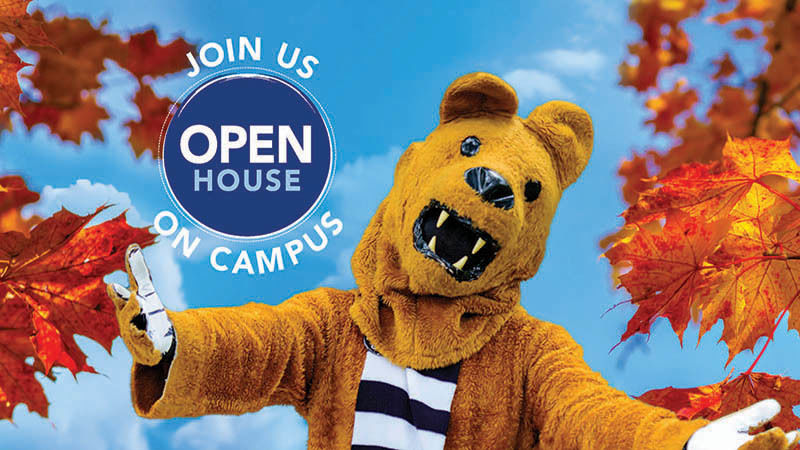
x=432 y=350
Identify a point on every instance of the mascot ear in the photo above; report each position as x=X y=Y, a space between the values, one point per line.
x=566 y=131
x=477 y=93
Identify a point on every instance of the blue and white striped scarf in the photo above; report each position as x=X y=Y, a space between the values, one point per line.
x=402 y=408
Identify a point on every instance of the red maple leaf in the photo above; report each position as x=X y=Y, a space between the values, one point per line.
x=13 y=196
x=68 y=123
x=9 y=86
x=720 y=399
x=670 y=104
x=712 y=190
x=14 y=19
x=146 y=131
x=730 y=248
x=666 y=276
x=146 y=56
x=51 y=288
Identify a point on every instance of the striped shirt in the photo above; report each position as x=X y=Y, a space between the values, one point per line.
x=402 y=408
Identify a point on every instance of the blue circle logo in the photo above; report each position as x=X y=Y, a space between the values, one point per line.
x=247 y=155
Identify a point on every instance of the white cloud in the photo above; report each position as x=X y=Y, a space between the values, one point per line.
x=573 y=62
x=275 y=428
x=533 y=84
x=89 y=411
x=84 y=197
x=357 y=191
x=94 y=411
x=342 y=278
x=607 y=12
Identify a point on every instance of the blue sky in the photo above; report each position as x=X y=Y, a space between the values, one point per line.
x=382 y=71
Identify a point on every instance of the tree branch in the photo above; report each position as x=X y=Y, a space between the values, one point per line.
x=762 y=87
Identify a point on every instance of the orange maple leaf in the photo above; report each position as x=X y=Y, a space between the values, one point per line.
x=732 y=111
x=670 y=104
x=146 y=131
x=761 y=104
x=712 y=190
x=697 y=142
x=51 y=288
x=663 y=43
x=666 y=276
x=145 y=56
x=63 y=73
x=725 y=67
x=10 y=64
x=744 y=33
x=14 y=194
x=719 y=399
x=750 y=281
x=14 y=19
x=67 y=123
x=744 y=271
x=756 y=276
x=637 y=177
x=748 y=9
x=67 y=77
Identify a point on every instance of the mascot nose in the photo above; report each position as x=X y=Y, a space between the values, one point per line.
x=491 y=186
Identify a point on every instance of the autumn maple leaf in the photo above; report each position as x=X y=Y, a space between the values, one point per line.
x=80 y=50
x=67 y=123
x=146 y=57
x=14 y=19
x=712 y=190
x=663 y=43
x=51 y=288
x=14 y=194
x=10 y=64
x=743 y=103
x=719 y=399
x=749 y=276
x=755 y=277
x=146 y=131
x=634 y=172
x=67 y=77
x=63 y=73
x=729 y=250
x=670 y=104
x=666 y=276
x=725 y=67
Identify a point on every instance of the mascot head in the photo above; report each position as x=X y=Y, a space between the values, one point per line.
x=465 y=222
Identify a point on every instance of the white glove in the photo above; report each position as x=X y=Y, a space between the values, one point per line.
x=731 y=432
x=144 y=324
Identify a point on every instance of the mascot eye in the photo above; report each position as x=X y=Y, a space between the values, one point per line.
x=470 y=146
x=532 y=190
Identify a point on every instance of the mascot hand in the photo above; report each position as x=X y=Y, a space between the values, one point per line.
x=143 y=322
x=731 y=432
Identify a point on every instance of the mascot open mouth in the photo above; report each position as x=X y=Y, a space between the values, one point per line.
x=451 y=240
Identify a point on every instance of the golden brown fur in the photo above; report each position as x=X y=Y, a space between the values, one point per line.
x=529 y=384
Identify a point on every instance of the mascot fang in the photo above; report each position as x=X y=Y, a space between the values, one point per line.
x=433 y=349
